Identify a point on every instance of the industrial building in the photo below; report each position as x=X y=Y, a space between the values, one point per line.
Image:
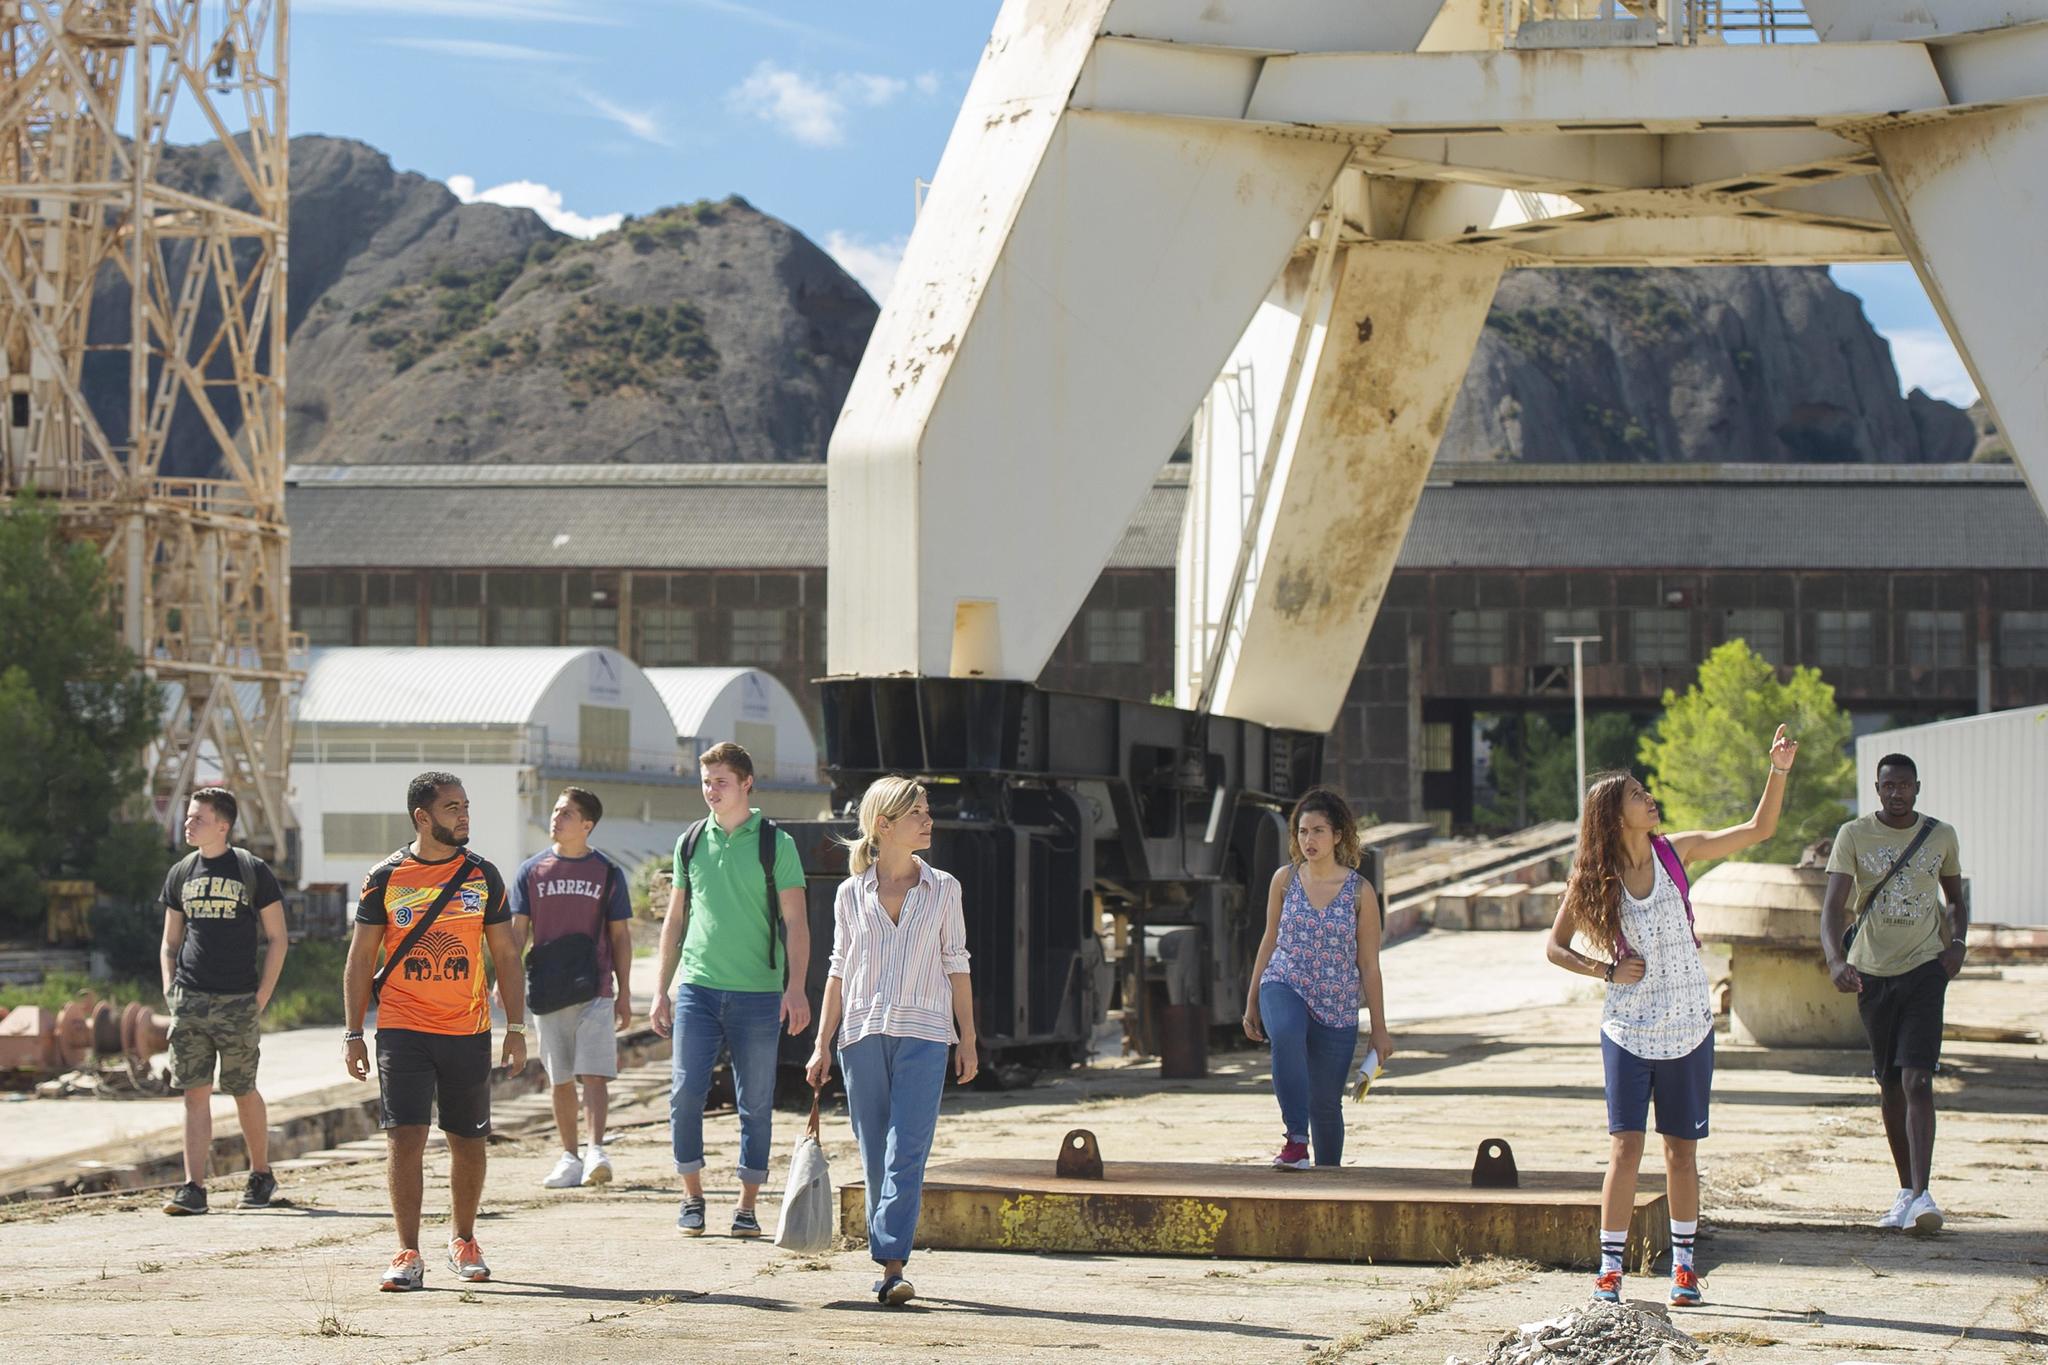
x=517 y=724
x=1919 y=591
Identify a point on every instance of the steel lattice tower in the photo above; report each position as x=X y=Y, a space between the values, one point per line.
x=197 y=555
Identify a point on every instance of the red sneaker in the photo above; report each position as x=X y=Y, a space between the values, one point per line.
x=1685 y=1288
x=1607 y=1288
x=1293 y=1157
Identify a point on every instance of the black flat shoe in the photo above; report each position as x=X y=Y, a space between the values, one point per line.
x=893 y=1291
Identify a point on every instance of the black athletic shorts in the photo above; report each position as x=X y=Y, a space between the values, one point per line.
x=415 y=1069
x=1902 y=1016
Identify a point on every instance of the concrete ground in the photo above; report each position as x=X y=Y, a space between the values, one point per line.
x=1492 y=1044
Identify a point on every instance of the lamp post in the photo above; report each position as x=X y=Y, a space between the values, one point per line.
x=1578 y=644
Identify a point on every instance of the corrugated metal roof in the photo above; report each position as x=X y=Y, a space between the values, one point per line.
x=690 y=693
x=1561 y=516
x=444 y=685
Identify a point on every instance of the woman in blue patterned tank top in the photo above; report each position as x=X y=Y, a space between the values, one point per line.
x=1321 y=945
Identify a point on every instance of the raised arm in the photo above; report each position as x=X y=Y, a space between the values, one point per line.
x=1696 y=846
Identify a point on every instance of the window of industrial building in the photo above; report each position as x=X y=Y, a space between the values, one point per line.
x=593 y=626
x=1659 y=635
x=1479 y=637
x=1844 y=639
x=1934 y=639
x=364 y=836
x=668 y=636
x=391 y=609
x=1114 y=635
x=758 y=635
x=522 y=626
x=396 y=625
x=1762 y=629
x=326 y=625
x=455 y=626
x=2023 y=639
x=1577 y=621
x=605 y=734
x=1439 y=749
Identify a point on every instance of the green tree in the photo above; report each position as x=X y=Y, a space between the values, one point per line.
x=1709 y=751
x=75 y=712
x=1534 y=767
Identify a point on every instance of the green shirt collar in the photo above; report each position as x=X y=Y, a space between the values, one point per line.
x=751 y=824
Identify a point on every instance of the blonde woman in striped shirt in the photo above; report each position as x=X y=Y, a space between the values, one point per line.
x=898 y=995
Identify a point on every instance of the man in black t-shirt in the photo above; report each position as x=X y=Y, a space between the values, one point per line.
x=215 y=899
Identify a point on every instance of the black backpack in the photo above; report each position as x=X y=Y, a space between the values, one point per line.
x=688 y=850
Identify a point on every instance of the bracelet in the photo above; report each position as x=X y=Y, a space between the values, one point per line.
x=353 y=1035
x=1610 y=970
x=1959 y=942
x=519 y=1027
x=1782 y=772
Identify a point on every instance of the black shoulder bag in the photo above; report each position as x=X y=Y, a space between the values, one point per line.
x=1927 y=828
x=768 y=830
x=563 y=971
x=419 y=930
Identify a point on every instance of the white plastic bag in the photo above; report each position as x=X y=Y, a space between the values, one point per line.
x=808 y=1214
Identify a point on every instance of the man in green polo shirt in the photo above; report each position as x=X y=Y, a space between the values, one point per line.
x=732 y=992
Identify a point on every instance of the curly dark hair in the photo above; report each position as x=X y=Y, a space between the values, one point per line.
x=1592 y=893
x=1325 y=801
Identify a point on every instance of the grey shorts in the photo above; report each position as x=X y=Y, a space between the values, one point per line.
x=578 y=1041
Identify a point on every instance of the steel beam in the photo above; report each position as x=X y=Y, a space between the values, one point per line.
x=1969 y=203
x=1389 y=357
x=1350 y=1214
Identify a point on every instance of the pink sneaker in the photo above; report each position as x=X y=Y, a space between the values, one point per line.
x=1293 y=1157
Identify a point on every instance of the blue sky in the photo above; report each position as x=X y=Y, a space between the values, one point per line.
x=822 y=114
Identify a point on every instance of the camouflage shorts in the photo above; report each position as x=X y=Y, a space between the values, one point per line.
x=205 y=1027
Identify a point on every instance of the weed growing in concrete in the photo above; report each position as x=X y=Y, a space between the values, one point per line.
x=148 y=1267
x=1466 y=1277
x=469 y=1296
x=656 y=1300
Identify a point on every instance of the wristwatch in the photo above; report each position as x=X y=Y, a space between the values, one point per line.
x=519 y=1027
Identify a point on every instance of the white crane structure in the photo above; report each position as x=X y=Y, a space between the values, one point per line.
x=1315 y=200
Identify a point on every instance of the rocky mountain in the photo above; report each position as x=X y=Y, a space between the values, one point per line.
x=426 y=330
x=1733 y=363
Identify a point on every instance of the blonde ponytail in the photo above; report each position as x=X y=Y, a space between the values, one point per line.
x=887 y=798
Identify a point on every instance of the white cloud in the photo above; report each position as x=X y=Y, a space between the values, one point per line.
x=481 y=51
x=811 y=110
x=640 y=123
x=927 y=82
x=528 y=194
x=753 y=14
x=1927 y=359
x=872 y=263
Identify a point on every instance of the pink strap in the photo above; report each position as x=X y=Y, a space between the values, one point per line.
x=1668 y=856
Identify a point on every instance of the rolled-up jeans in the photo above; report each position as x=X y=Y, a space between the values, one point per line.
x=747 y=1025
x=893 y=1087
x=1311 y=1063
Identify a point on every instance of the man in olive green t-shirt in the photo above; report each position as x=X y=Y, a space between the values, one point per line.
x=1903 y=956
x=732 y=994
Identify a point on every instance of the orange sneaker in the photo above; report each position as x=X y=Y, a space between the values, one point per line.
x=466 y=1259
x=1607 y=1288
x=406 y=1272
x=1685 y=1288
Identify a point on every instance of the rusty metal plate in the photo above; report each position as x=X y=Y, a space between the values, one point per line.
x=1349 y=1214
x=1080 y=1158
x=1494 y=1167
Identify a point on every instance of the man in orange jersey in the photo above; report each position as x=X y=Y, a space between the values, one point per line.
x=431 y=908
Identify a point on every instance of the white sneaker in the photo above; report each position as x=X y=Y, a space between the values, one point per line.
x=1895 y=1216
x=1924 y=1216
x=568 y=1173
x=597 y=1167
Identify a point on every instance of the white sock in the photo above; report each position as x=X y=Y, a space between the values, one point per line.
x=1907 y=1194
x=1612 y=1244
x=1681 y=1243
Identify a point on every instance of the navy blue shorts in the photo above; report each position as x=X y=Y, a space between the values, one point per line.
x=1680 y=1086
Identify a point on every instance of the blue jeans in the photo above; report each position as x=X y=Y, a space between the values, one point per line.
x=892 y=1095
x=1311 y=1063
x=747 y=1024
